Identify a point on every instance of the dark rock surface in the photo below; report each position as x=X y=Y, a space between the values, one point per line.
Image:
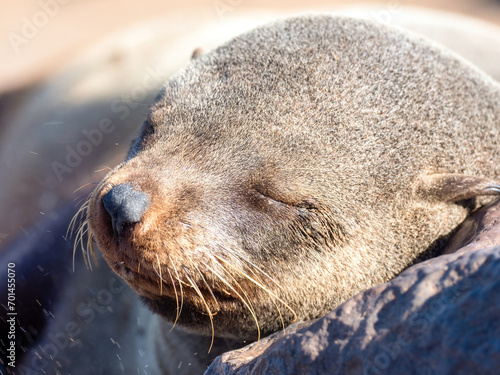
x=438 y=317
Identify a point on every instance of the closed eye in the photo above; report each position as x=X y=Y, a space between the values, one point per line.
x=272 y=198
x=306 y=217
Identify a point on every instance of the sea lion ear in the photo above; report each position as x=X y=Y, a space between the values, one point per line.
x=452 y=187
x=197 y=53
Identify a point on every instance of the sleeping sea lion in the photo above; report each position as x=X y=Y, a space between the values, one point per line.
x=113 y=333
x=292 y=167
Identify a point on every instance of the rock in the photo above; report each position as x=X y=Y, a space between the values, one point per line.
x=437 y=317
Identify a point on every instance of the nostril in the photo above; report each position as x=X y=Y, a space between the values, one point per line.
x=125 y=206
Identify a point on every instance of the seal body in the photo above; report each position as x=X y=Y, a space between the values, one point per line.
x=296 y=165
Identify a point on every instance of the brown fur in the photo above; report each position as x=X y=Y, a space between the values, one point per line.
x=297 y=165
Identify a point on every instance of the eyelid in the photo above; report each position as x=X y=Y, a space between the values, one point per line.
x=302 y=204
x=267 y=196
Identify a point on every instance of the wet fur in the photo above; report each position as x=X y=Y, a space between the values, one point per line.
x=297 y=165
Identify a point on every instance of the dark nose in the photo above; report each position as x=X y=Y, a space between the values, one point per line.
x=126 y=206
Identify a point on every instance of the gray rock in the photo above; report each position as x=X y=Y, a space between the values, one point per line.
x=437 y=317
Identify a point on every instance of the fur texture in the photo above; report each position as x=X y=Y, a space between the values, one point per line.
x=297 y=165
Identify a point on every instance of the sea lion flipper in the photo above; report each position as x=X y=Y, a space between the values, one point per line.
x=453 y=187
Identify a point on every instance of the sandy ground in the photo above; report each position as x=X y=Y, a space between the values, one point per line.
x=38 y=37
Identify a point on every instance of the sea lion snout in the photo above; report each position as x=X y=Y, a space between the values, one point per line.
x=125 y=206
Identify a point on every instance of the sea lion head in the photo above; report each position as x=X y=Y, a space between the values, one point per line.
x=292 y=167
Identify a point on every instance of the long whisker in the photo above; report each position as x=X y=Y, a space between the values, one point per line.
x=79 y=240
x=161 y=279
x=258 y=284
x=175 y=288
x=175 y=291
x=205 y=303
x=86 y=249
x=208 y=286
x=176 y=297
x=247 y=305
x=103 y=169
x=81 y=199
x=79 y=224
x=246 y=300
x=78 y=216
x=180 y=287
x=90 y=247
x=252 y=266
x=201 y=275
x=274 y=300
x=239 y=259
x=87 y=184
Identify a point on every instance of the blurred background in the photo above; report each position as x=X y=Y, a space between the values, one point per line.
x=76 y=24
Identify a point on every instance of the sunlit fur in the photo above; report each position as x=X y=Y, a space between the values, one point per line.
x=295 y=166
